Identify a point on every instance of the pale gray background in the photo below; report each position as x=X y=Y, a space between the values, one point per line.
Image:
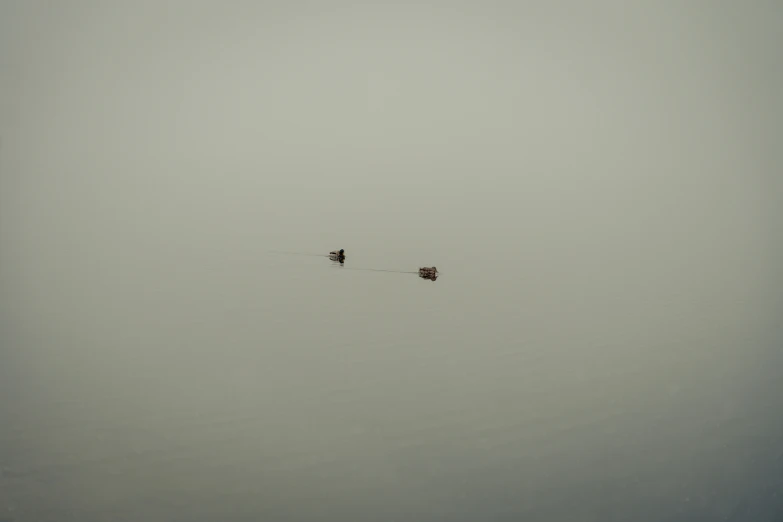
x=600 y=184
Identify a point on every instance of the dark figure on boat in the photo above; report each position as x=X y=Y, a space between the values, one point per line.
x=430 y=273
x=337 y=255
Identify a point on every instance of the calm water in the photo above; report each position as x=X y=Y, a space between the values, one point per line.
x=601 y=194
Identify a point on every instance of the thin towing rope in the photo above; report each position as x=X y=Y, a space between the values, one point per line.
x=299 y=253
x=342 y=267
x=377 y=270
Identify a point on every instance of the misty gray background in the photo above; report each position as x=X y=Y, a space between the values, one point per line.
x=599 y=184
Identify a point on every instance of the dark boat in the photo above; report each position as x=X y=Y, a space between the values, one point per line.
x=428 y=273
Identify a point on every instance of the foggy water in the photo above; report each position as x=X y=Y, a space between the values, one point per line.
x=599 y=186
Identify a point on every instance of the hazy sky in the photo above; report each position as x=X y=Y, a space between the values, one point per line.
x=335 y=108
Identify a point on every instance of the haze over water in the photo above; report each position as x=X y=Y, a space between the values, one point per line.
x=598 y=183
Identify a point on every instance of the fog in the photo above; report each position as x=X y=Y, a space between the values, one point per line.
x=598 y=183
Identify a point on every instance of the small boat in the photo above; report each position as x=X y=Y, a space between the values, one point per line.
x=428 y=273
